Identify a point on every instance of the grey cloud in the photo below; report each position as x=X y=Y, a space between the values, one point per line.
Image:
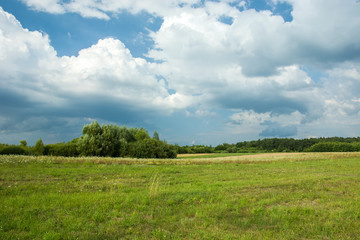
x=9 y=101
x=262 y=103
x=274 y=129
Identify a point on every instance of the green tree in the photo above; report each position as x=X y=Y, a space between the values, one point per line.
x=156 y=135
x=131 y=134
x=127 y=134
x=23 y=143
x=90 y=144
x=68 y=149
x=39 y=147
x=141 y=134
x=111 y=136
x=152 y=148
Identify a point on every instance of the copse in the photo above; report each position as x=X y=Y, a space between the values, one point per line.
x=114 y=141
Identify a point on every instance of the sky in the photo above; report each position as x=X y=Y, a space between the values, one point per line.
x=196 y=71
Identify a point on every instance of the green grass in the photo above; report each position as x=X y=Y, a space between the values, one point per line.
x=310 y=196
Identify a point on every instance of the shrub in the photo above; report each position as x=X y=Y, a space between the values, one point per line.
x=68 y=149
x=152 y=148
x=15 y=150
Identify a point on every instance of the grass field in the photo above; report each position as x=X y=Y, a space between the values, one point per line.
x=263 y=196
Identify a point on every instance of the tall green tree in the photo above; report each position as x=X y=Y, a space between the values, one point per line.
x=111 y=144
x=156 y=135
x=39 y=147
x=90 y=144
x=141 y=134
x=128 y=134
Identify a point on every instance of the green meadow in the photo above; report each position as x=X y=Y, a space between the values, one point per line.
x=263 y=196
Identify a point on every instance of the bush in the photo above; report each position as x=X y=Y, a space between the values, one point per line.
x=68 y=149
x=152 y=148
x=15 y=150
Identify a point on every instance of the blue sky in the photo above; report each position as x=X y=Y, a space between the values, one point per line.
x=198 y=72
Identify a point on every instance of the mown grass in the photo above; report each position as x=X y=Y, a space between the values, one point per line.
x=311 y=196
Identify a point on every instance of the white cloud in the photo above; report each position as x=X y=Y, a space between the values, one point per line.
x=258 y=41
x=201 y=113
x=105 y=71
x=50 y=6
x=102 y=9
x=254 y=119
x=249 y=118
x=87 y=9
x=342 y=88
x=251 y=125
x=109 y=69
x=256 y=63
x=333 y=108
x=254 y=66
x=26 y=58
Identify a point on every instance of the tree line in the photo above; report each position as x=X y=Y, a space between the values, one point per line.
x=103 y=141
x=332 y=144
x=115 y=141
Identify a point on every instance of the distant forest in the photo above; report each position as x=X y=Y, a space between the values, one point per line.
x=115 y=141
x=332 y=144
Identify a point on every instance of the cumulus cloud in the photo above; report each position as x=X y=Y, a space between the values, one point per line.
x=253 y=65
x=342 y=90
x=109 y=67
x=50 y=6
x=265 y=124
x=24 y=57
x=320 y=33
x=104 y=9
x=256 y=62
x=104 y=80
x=261 y=42
x=249 y=118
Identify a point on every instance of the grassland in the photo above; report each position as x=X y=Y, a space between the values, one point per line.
x=265 y=196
